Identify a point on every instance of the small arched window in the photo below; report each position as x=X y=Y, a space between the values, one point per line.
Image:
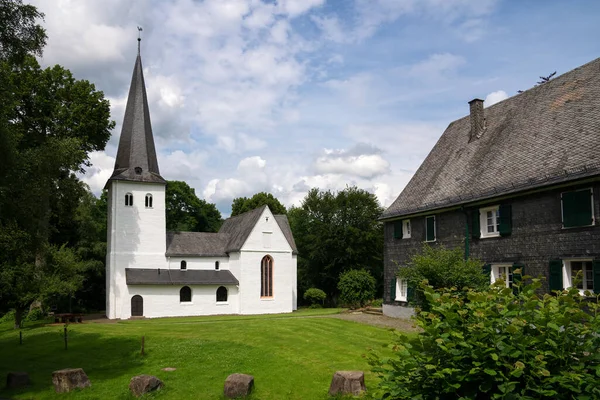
x=217 y=265
x=221 y=294
x=185 y=294
x=128 y=199
x=183 y=264
x=148 y=200
x=266 y=278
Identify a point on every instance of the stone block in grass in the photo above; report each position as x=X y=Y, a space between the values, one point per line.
x=16 y=380
x=238 y=385
x=347 y=382
x=143 y=384
x=65 y=380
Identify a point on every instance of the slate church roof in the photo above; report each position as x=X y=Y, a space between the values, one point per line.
x=230 y=238
x=136 y=155
x=148 y=276
x=544 y=136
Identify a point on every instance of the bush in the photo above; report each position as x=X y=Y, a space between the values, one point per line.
x=356 y=287
x=495 y=344
x=443 y=268
x=8 y=317
x=36 y=314
x=377 y=303
x=315 y=296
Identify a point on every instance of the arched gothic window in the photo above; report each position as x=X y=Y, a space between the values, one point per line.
x=183 y=264
x=185 y=294
x=148 y=200
x=217 y=265
x=222 y=294
x=266 y=277
x=128 y=199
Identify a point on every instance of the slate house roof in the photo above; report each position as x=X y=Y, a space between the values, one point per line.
x=231 y=237
x=547 y=135
x=136 y=155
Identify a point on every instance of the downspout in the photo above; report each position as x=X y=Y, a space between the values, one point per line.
x=467 y=249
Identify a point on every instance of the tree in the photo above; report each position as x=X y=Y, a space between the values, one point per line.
x=241 y=205
x=336 y=232
x=356 y=287
x=49 y=122
x=186 y=212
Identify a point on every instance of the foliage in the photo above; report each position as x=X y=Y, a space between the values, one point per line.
x=495 y=344
x=336 y=232
x=35 y=314
x=20 y=34
x=443 y=267
x=376 y=303
x=241 y=205
x=186 y=212
x=315 y=296
x=356 y=287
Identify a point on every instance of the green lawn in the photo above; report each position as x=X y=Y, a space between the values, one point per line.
x=292 y=356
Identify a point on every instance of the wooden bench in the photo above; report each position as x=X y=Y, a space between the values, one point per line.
x=68 y=317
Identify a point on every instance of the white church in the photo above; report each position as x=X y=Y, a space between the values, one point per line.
x=248 y=267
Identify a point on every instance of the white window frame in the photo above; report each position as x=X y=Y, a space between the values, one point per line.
x=483 y=226
x=406 y=229
x=495 y=274
x=401 y=290
x=568 y=274
x=562 y=211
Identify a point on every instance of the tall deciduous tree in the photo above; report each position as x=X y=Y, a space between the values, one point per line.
x=186 y=212
x=337 y=232
x=243 y=204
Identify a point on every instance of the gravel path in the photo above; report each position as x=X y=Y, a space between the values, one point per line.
x=405 y=325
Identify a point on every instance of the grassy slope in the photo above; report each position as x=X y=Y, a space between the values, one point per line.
x=291 y=357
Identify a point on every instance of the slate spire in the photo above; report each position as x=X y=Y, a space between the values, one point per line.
x=136 y=156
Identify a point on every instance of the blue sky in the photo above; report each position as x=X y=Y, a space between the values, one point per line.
x=281 y=96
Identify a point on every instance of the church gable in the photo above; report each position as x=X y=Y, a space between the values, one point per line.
x=267 y=235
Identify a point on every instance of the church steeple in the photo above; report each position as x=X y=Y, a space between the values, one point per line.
x=136 y=156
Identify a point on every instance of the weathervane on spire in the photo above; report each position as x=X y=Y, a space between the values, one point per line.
x=139 y=38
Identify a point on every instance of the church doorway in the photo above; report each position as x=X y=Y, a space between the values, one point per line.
x=137 y=306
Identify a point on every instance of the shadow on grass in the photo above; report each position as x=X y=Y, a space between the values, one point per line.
x=101 y=357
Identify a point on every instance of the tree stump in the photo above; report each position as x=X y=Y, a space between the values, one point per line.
x=238 y=385
x=143 y=384
x=16 y=380
x=65 y=380
x=347 y=382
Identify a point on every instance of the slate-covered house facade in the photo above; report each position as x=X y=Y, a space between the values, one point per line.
x=248 y=267
x=516 y=185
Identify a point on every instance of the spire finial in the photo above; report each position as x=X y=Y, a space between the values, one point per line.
x=139 y=38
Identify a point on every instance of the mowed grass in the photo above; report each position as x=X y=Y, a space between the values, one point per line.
x=291 y=356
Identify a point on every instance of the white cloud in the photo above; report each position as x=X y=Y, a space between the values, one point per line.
x=98 y=173
x=495 y=97
x=361 y=161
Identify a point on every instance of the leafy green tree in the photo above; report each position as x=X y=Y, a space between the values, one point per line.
x=495 y=344
x=20 y=34
x=186 y=212
x=336 y=232
x=357 y=287
x=241 y=205
x=315 y=296
x=443 y=268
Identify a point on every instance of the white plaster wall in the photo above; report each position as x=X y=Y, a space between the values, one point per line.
x=163 y=301
x=204 y=263
x=284 y=269
x=137 y=237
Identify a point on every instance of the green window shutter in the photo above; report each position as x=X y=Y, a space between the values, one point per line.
x=430 y=228
x=398 y=230
x=487 y=270
x=555 y=281
x=410 y=293
x=577 y=208
x=393 y=289
x=505 y=223
x=517 y=277
x=596 y=272
x=475 y=224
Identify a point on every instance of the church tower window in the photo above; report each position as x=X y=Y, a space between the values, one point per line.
x=148 y=200
x=128 y=199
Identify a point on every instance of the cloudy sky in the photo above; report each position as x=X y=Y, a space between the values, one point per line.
x=282 y=96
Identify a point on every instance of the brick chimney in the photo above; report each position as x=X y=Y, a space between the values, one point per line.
x=477 y=119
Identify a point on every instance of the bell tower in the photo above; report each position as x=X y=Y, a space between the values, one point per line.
x=136 y=201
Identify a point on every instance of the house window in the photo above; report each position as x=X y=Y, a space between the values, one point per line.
x=221 y=294
x=401 y=289
x=577 y=208
x=504 y=272
x=217 y=265
x=430 y=228
x=489 y=221
x=129 y=199
x=266 y=274
x=183 y=264
x=185 y=294
x=267 y=239
x=406 y=229
x=148 y=200
x=579 y=274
